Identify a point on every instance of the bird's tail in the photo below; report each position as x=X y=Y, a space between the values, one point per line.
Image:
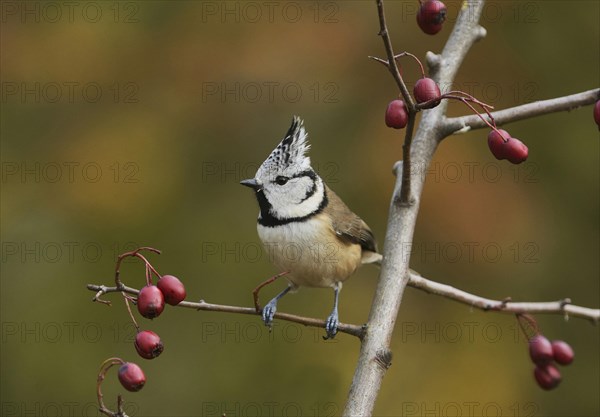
x=376 y=259
x=369 y=257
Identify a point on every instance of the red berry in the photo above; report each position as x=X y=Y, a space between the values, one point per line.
x=540 y=350
x=516 y=151
x=396 y=115
x=172 y=289
x=547 y=376
x=597 y=113
x=148 y=344
x=431 y=16
x=426 y=89
x=512 y=149
x=150 y=302
x=563 y=353
x=131 y=376
x=497 y=143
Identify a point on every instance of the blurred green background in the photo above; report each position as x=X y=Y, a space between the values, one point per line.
x=131 y=123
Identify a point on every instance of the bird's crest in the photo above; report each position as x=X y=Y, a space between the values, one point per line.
x=290 y=155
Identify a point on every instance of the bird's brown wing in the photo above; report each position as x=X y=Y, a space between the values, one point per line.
x=347 y=225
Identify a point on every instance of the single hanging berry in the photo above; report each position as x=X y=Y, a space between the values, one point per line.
x=547 y=376
x=150 y=302
x=540 y=350
x=431 y=16
x=396 y=115
x=172 y=288
x=148 y=344
x=131 y=377
x=516 y=151
x=496 y=142
x=563 y=353
x=425 y=90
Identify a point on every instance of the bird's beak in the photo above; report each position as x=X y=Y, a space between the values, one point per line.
x=252 y=183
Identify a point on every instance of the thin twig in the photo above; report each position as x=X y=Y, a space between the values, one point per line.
x=563 y=307
x=134 y=253
x=392 y=66
x=350 y=329
x=528 y=325
x=106 y=365
x=135 y=323
x=400 y=55
x=405 y=192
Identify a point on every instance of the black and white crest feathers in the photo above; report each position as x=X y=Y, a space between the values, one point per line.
x=290 y=154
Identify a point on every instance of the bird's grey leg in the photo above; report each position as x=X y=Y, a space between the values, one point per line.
x=332 y=321
x=271 y=307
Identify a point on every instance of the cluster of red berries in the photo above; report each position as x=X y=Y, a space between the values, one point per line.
x=426 y=91
x=431 y=16
x=150 y=303
x=427 y=95
x=543 y=353
x=151 y=299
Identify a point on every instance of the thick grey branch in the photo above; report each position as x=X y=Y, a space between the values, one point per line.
x=525 y=111
x=394 y=275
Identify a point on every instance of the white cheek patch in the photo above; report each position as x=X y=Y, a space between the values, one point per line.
x=305 y=208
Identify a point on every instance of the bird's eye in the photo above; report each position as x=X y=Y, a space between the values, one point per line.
x=281 y=180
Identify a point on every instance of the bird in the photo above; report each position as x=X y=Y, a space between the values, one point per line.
x=307 y=230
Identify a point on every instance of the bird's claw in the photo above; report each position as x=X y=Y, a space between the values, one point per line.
x=331 y=326
x=269 y=312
